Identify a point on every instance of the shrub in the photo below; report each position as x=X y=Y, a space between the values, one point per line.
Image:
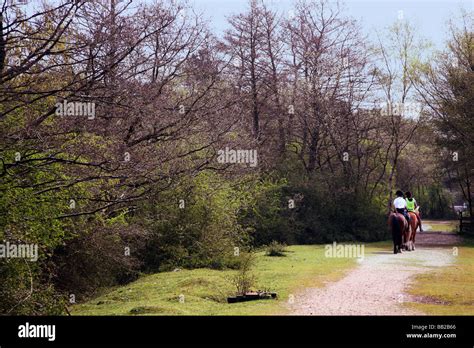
x=275 y=249
x=244 y=280
x=202 y=233
x=24 y=290
x=98 y=258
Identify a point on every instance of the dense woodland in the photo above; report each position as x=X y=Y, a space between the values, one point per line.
x=113 y=113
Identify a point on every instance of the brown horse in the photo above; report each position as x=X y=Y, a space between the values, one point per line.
x=399 y=226
x=414 y=224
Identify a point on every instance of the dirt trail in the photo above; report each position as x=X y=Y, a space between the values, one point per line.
x=376 y=287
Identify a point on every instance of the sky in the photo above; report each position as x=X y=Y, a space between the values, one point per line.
x=429 y=17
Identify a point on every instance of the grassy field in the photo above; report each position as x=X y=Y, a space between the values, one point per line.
x=450 y=290
x=205 y=291
x=444 y=292
x=443 y=226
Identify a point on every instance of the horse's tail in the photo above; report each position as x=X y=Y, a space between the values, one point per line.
x=396 y=229
x=394 y=223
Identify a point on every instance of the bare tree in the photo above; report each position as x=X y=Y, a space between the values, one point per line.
x=446 y=86
x=395 y=78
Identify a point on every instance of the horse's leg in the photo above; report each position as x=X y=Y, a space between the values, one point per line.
x=392 y=222
x=397 y=233
x=414 y=235
x=406 y=238
x=400 y=241
x=403 y=238
x=412 y=232
x=415 y=226
x=409 y=242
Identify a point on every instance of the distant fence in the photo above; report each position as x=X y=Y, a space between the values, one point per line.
x=466 y=224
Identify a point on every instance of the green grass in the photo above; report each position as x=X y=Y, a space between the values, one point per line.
x=205 y=291
x=443 y=226
x=449 y=291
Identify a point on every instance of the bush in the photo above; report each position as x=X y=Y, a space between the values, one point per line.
x=28 y=218
x=98 y=258
x=275 y=249
x=266 y=215
x=319 y=215
x=24 y=290
x=202 y=233
x=244 y=280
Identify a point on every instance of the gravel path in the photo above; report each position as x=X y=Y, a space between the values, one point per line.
x=376 y=287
